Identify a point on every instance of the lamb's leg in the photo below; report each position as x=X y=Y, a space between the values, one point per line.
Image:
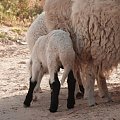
x=32 y=84
x=65 y=73
x=71 y=90
x=55 y=88
x=38 y=88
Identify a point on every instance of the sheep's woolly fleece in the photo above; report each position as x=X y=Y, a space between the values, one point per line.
x=97 y=26
x=57 y=14
x=37 y=29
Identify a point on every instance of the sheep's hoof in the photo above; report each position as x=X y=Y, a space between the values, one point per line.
x=35 y=98
x=38 y=90
x=28 y=100
x=70 y=103
x=93 y=105
x=53 y=110
x=54 y=106
x=79 y=95
x=26 y=105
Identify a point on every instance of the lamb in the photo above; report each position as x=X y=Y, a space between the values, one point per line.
x=97 y=28
x=49 y=53
x=58 y=16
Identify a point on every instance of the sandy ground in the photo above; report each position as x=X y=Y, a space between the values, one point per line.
x=14 y=85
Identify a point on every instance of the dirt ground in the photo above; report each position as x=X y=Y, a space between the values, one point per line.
x=14 y=85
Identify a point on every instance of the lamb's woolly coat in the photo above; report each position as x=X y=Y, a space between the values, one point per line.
x=49 y=53
x=37 y=29
x=53 y=50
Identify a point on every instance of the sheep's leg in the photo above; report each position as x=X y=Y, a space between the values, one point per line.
x=38 y=88
x=71 y=90
x=55 y=88
x=65 y=73
x=102 y=85
x=88 y=83
x=32 y=84
x=90 y=90
x=79 y=89
x=80 y=85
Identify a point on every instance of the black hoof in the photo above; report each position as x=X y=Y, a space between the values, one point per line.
x=53 y=110
x=28 y=100
x=94 y=105
x=53 y=107
x=26 y=105
x=79 y=95
x=29 y=95
x=70 y=103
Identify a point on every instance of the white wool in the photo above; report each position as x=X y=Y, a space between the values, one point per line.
x=37 y=29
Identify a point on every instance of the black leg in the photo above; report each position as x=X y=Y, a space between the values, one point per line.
x=71 y=89
x=55 y=89
x=29 y=95
x=80 y=94
x=81 y=89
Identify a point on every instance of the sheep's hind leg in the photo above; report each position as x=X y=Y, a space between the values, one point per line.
x=103 y=90
x=55 y=89
x=32 y=84
x=71 y=90
x=38 y=88
x=79 y=89
x=88 y=83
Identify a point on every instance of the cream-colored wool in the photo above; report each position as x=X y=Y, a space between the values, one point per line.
x=97 y=27
x=57 y=14
x=37 y=29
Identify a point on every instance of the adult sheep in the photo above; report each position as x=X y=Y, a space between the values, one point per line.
x=36 y=29
x=49 y=53
x=97 y=27
x=58 y=16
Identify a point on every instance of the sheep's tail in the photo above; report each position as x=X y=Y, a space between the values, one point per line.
x=65 y=74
